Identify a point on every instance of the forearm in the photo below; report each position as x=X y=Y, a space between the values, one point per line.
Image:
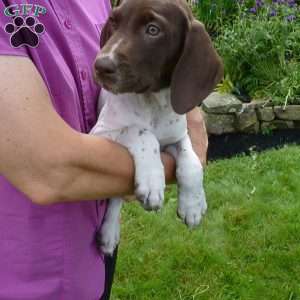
x=99 y=168
x=198 y=134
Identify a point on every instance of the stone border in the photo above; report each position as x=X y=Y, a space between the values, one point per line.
x=226 y=114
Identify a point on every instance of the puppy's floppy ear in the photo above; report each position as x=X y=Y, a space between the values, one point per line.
x=197 y=72
x=106 y=33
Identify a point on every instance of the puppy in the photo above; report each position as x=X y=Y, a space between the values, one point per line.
x=156 y=63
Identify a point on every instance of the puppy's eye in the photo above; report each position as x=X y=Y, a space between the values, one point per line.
x=153 y=30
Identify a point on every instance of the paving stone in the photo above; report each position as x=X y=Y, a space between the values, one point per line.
x=265 y=114
x=246 y=118
x=252 y=128
x=291 y=112
x=277 y=124
x=217 y=103
x=219 y=124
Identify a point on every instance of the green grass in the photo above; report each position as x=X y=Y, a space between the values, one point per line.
x=247 y=248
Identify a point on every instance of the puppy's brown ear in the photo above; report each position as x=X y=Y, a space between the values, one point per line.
x=106 y=33
x=197 y=72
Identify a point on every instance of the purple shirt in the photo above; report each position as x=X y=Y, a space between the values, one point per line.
x=49 y=253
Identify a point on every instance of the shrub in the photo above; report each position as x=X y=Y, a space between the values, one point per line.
x=218 y=13
x=261 y=51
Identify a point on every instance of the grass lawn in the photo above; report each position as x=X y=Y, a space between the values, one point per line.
x=248 y=246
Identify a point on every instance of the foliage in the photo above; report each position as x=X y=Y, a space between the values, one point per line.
x=246 y=248
x=215 y=14
x=261 y=52
x=226 y=86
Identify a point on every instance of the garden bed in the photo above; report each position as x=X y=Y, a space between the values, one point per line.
x=259 y=44
x=229 y=145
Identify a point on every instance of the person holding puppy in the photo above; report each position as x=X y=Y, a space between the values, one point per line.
x=53 y=174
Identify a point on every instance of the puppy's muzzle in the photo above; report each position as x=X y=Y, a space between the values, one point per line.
x=105 y=70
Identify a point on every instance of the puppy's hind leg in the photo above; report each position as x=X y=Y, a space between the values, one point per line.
x=108 y=236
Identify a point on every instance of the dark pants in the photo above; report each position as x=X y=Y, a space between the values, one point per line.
x=110 y=265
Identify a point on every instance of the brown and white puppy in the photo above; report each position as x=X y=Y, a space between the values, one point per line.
x=157 y=63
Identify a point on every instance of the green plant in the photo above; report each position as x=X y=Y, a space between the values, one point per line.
x=262 y=56
x=218 y=13
x=267 y=130
x=226 y=86
x=214 y=15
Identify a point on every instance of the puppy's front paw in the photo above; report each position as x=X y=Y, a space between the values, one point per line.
x=192 y=206
x=108 y=237
x=150 y=187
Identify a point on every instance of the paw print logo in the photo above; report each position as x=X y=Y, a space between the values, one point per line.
x=24 y=31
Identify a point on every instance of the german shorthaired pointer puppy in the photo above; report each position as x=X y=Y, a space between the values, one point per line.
x=157 y=63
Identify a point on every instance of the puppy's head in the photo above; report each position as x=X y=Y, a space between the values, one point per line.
x=148 y=45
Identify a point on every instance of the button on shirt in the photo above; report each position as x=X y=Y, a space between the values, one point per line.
x=49 y=253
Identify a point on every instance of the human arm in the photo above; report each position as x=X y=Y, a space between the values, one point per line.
x=198 y=134
x=44 y=157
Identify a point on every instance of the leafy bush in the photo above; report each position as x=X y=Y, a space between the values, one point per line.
x=218 y=13
x=214 y=15
x=261 y=52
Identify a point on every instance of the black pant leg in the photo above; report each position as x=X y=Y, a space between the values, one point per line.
x=110 y=266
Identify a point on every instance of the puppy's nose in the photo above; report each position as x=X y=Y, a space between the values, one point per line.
x=105 y=66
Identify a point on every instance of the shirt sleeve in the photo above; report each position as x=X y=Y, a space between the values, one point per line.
x=5 y=46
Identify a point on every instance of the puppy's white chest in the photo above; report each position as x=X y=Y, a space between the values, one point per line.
x=167 y=126
x=152 y=112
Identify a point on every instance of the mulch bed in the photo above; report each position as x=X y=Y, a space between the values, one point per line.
x=228 y=145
